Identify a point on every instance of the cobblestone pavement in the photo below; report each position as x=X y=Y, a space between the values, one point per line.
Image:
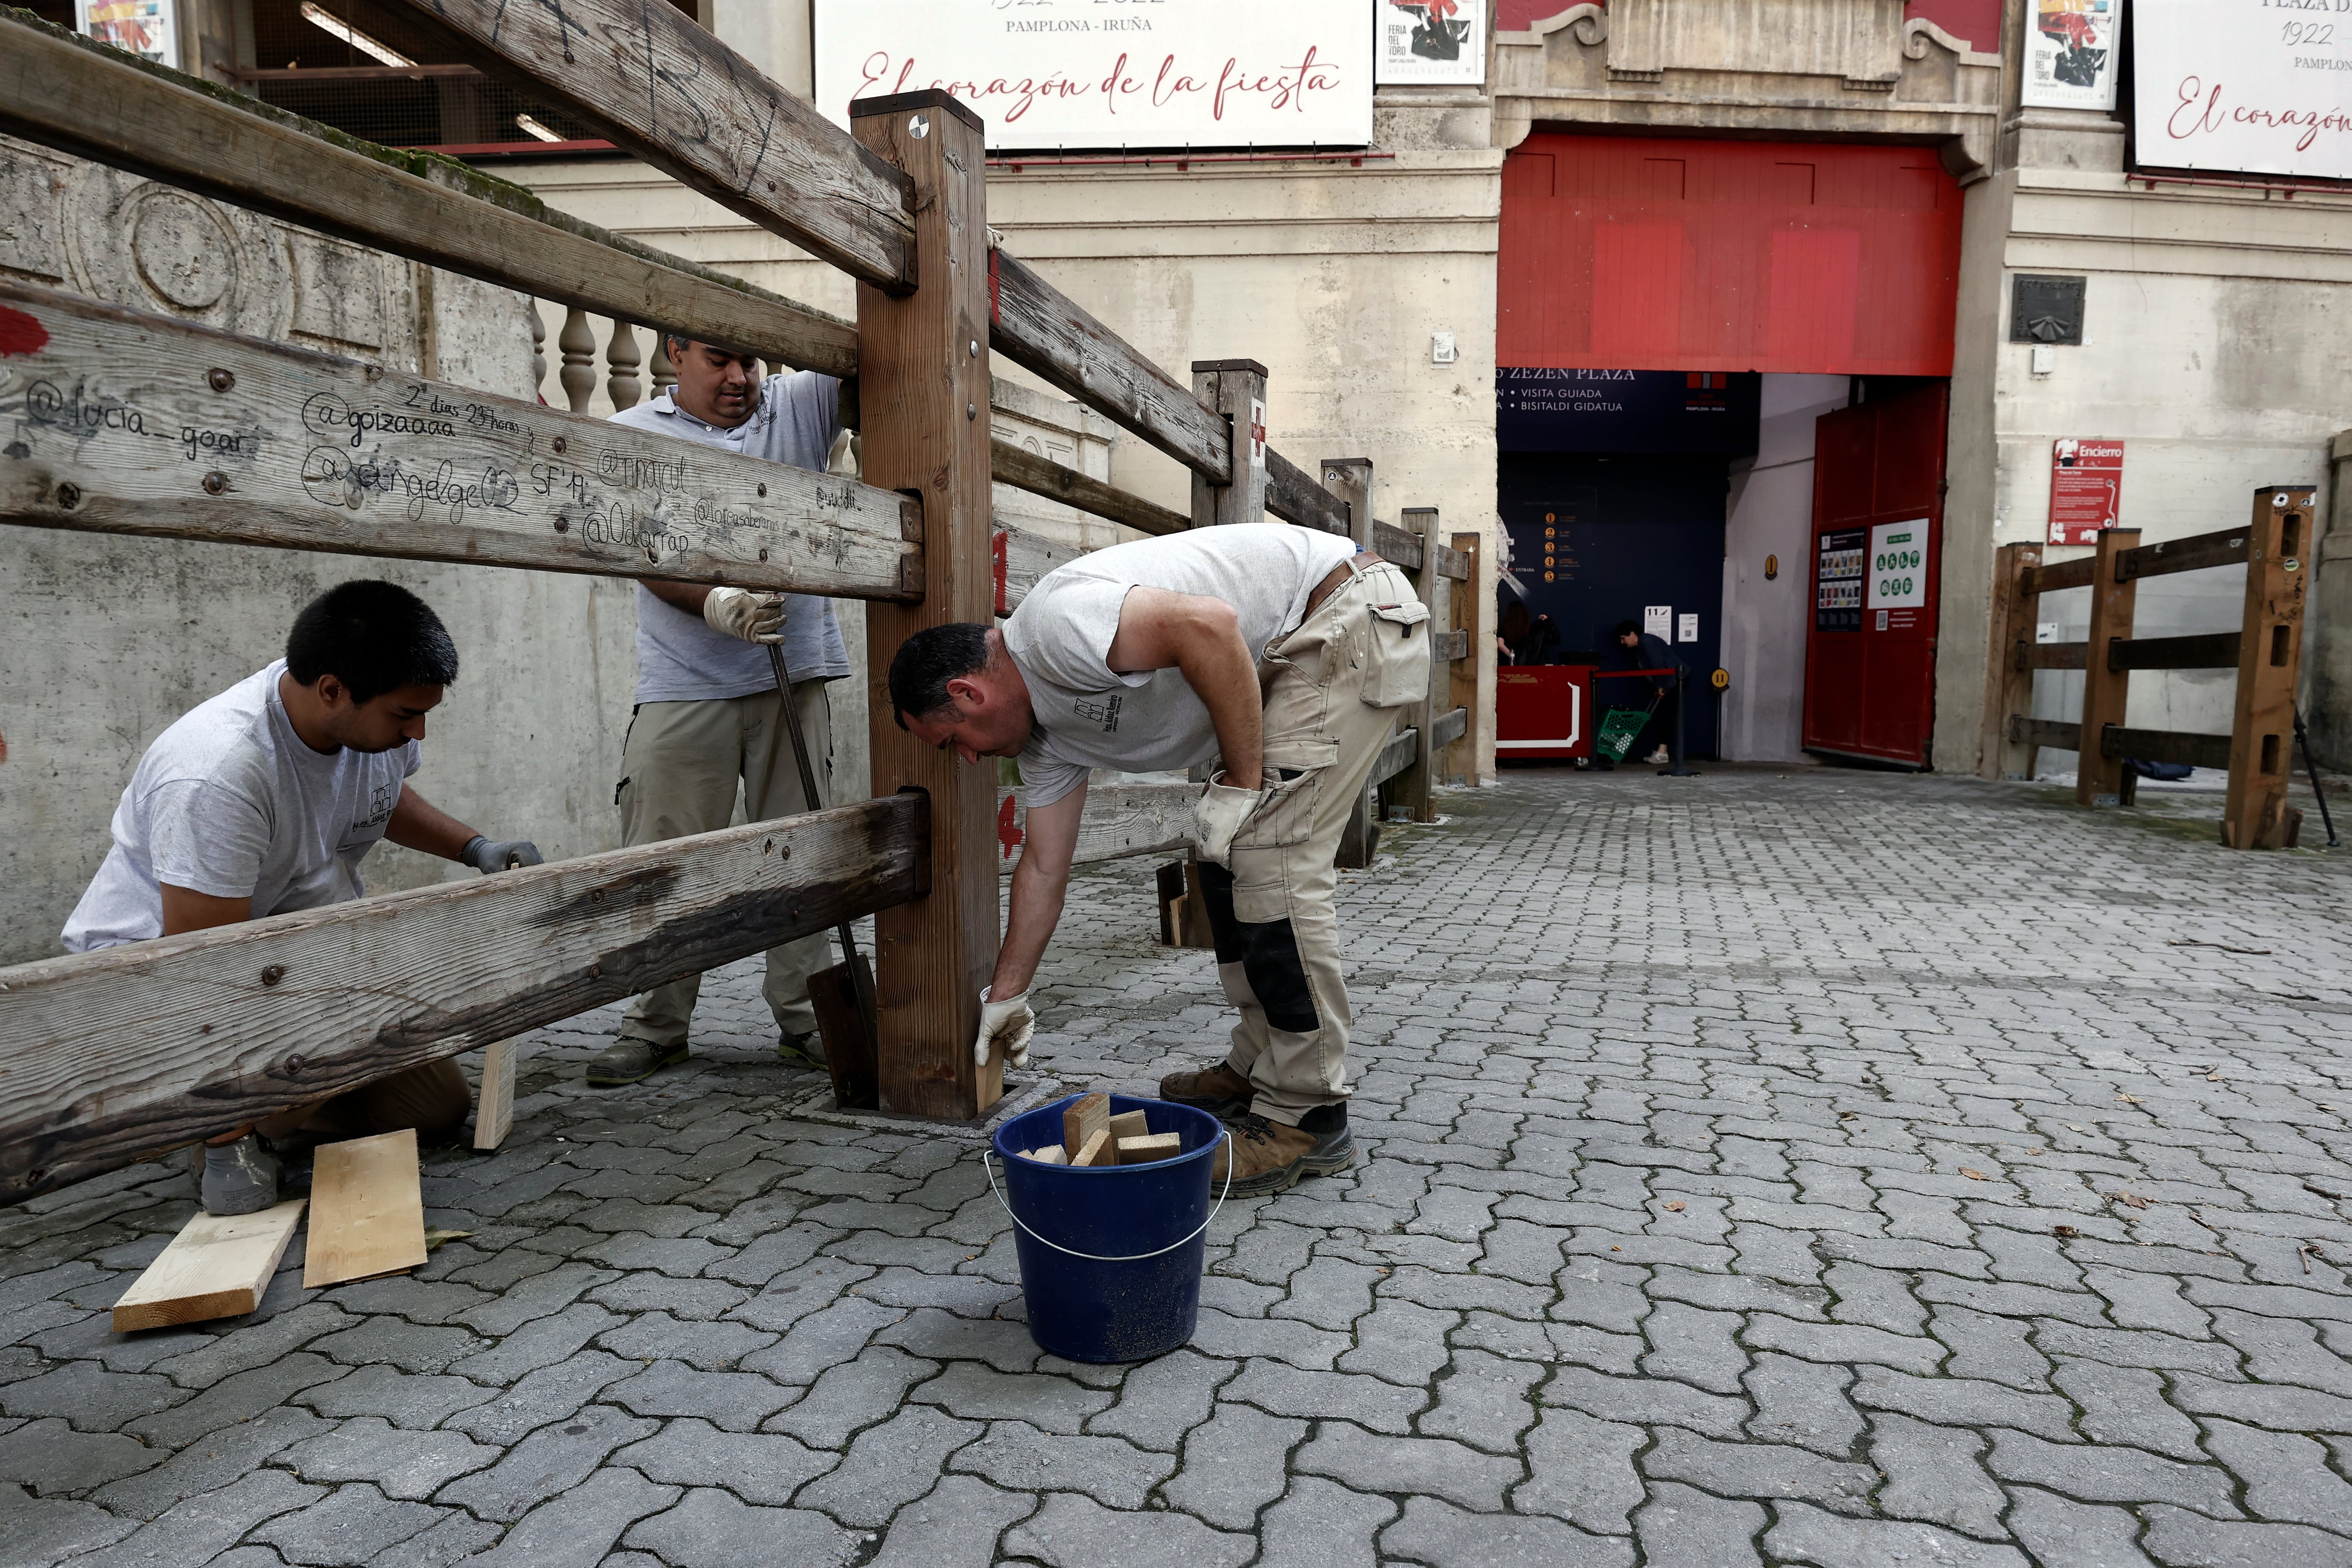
x=1839 y=1169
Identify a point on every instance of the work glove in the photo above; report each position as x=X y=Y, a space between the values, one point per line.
x=1009 y=1022
x=488 y=854
x=1217 y=816
x=740 y=613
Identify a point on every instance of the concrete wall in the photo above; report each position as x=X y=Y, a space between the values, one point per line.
x=1765 y=619
x=105 y=640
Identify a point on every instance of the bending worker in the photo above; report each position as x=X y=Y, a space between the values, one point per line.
x=706 y=711
x=264 y=799
x=1281 y=651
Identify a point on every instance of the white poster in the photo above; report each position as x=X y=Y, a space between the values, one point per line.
x=1898 y=566
x=2071 y=53
x=1421 y=42
x=1658 y=620
x=148 y=28
x=2245 y=86
x=1049 y=74
x=1686 y=628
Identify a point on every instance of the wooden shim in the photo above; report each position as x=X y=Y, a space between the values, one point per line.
x=1143 y=1148
x=1037 y=327
x=1397 y=755
x=100 y=103
x=1448 y=728
x=1293 y=495
x=1444 y=648
x=1128 y=1124
x=2226 y=548
x=1041 y=476
x=2209 y=650
x=649 y=80
x=2115 y=742
x=367 y=1212
x=494 y=1106
x=1018 y=558
x=1119 y=820
x=1395 y=545
x=122 y=422
x=2059 y=734
x=113 y=1055
x=1051 y=1154
x=2076 y=573
x=1084 y=1119
x=1098 y=1149
x=218 y=1266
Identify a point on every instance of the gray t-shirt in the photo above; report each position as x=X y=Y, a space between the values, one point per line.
x=679 y=658
x=1090 y=717
x=230 y=802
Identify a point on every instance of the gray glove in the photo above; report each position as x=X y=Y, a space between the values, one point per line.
x=1217 y=816
x=488 y=854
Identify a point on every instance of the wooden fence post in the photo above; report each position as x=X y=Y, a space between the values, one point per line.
x=2099 y=778
x=2269 y=659
x=1413 y=787
x=923 y=387
x=1351 y=478
x=2009 y=667
x=1474 y=602
x=1235 y=388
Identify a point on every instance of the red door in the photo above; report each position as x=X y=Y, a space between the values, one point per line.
x=1878 y=525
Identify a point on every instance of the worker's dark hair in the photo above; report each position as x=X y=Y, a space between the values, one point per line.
x=1627 y=629
x=372 y=636
x=926 y=662
x=674 y=343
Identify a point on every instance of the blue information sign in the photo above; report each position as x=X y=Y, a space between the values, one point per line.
x=1692 y=413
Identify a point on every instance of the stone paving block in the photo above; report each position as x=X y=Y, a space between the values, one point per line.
x=693 y=1300
x=760 y=1468
x=402 y=1463
x=1843 y=1343
x=2282 y=1349
x=1760 y=1471
x=738 y=1401
x=201 y=1528
x=1820 y=1539
x=2286 y=1477
x=1932 y=1474
x=1681 y=1527
x=1581 y=1469
x=355 y=1525
x=551 y=1393
x=2102 y=1473
x=395 y=1341
x=1328 y=1293
x=551 y=1460
x=828 y=1337
x=980 y=1394
x=247 y=1346
x=1402 y=1341
x=576 y=1529
x=1963 y=1402
x=954 y=1525
x=541 y=1294
x=541 y=1342
x=1019 y=1457
x=965 y=1295
x=2127 y=1405
x=1648 y=1401
x=1483 y=1401
x=2176 y=1536
x=1161 y=1400
x=1233 y=1465
x=1694 y=1346
x=1302 y=1345
x=53 y=1530
x=1282 y=1390
x=851 y=1397
x=2140 y=1347
x=706 y=1346
x=92 y=1398
x=1072 y=1531
x=47 y=1457
x=712 y=1529
x=209 y=1464
x=1368 y=1461
x=1803 y=1403
x=1320 y=1525
x=1442 y=1536
x=2060 y=1530
x=890 y=1466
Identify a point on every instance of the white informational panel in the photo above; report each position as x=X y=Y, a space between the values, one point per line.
x=2071 y=53
x=148 y=28
x=1899 y=565
x=2259 y=87
x=1430 y=42
x=1105 y=74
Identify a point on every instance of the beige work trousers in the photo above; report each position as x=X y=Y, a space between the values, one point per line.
x=680 y=771
x=1278 y=936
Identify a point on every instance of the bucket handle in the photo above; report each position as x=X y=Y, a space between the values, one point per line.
x=989 y=1164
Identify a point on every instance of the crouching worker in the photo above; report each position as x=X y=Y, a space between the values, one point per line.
x=264 y=799
x=1281 y=651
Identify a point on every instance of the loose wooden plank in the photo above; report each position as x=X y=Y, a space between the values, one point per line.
x=494 y=1106
x=1084 y=1119
x=112 y=1055
x=1149 y=1146
x=1119 y=820
x=367 y=1210
x=1041 y=476
x=1397 y=755
x=1448 y=728
x=124 y=422
x=646 y=77
x=1037 y=326
x=100 y=103
x=1017 y=558
x=2226 y=547
x=1395 y=545
x=1293 y=495
x=2209 y=650
x=218 y=1266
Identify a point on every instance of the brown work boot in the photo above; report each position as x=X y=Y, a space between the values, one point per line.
x=1219 y=1090
x=1267 y=1157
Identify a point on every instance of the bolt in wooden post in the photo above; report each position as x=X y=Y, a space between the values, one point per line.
x=923 y=375
x=2270 y=657
x=2008 y=662
x=1473 y=603
x=1235 y=388
x=2099 y=778
x=1413 y=787
x=1351 y=478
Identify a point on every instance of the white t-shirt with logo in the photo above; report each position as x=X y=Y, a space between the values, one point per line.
x=1088 y=716
x=680 y=658
x=230 y=802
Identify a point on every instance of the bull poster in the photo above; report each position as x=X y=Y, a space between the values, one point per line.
x=1421 y=43
x=2071 y=53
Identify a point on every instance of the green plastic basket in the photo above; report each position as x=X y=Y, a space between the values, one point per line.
x=1618 y=728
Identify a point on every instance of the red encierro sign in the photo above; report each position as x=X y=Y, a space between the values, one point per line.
x=2086 y=488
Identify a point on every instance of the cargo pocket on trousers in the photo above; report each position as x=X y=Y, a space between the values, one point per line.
x=1397 y=668
x=1287 y=814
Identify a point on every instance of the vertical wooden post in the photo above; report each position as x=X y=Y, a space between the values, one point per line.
x=1474 y=602
x=2008 y=662
x=1413 y=787
x=1351 y=478
x=923 y=387
x=1236 y=389
x=2269 y=659
x=2099 y=778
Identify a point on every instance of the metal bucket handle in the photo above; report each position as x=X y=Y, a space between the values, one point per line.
x=988 y=1164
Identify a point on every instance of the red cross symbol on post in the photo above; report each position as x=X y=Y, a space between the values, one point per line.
x=1257 y=432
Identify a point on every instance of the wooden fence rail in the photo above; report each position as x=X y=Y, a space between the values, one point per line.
x=110 y=1056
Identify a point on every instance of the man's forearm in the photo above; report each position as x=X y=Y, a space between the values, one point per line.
x=1036 y=910
x=686 y=597
x=417 y=824
x=1224 y=677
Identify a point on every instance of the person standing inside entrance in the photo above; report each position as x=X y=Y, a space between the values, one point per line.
x=1281 y=653
x=707 y=717
x=1638 y=649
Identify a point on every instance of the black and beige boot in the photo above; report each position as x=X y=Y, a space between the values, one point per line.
x=1267 y=1157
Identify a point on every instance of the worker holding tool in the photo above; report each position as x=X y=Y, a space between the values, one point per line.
x=708 y=715
x=1282 y=655
x=264 y=799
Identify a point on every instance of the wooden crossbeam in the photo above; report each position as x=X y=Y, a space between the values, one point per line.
x=1041 y=476
x=2115 y=742
x=1393 y=544
x=2209 y=650
x=1448 y=728
x=114 y=1056
x=2059 y=734
x=1444 y=648
x=1396 y=757
x=2052 y=655
x=122 y=421
x=1293 y=495
x=2226 y=547
x=1020 y=558
x=1119 y=820
x=647 y=78
x=2076 y=573
x=100 y=103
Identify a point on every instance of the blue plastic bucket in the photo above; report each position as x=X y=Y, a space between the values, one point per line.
x=1110 y=1256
